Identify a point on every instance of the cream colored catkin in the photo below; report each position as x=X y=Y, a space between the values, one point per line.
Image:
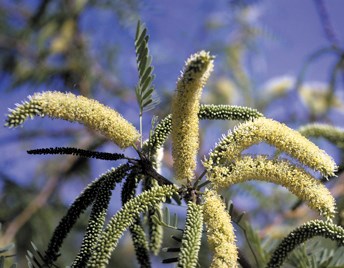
x=79 y=109
x=185 y=108
x=280 y=172
x=274 y=133
x=220 y=232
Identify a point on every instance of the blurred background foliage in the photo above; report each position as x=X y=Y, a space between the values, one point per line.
x=87 y=47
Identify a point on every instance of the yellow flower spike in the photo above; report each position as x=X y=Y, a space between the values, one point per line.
x=185 y=108
x=280 y=172
x=220 y=232
x=329 y=132
x=276 y=134
x=79 y=109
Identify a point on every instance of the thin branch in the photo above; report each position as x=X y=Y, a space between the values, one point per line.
x=326 y=23
x=40 y=200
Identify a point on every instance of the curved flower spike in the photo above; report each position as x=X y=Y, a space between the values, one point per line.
x=276 y=134
x=280 y=172
x=185 y=108
x=220 y=231
x=303 y=233
x=79 y=109
x=123 y=219
x=331 y=133
x=192 y=235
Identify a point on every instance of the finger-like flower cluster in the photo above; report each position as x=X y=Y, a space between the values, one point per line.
x=329 y=132
x=185 y=108
x=192 y=235
x=220 y=231
x=123 y=219
x=276 y=134
x=280 y=172
x=79 y=109
x=227 y=112
x=303 y=233
x=206 y=112
x=81 y=203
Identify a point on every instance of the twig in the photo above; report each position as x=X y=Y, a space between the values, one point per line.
x=326 y=23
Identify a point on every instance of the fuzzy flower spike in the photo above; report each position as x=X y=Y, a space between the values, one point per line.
x=280 y=172
x=79 y=109
x=276 y=134
x=220 y=231
x=185 y=108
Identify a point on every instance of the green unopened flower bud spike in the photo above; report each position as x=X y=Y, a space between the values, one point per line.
x=303 y=233
x=123 y=219
x=192 y=235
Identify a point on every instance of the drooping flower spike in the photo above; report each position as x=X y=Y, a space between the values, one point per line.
x=303 y=233
x=79 y=109
x=220 y=232
x=280 y=172
x=276 y=134
x=81 y=203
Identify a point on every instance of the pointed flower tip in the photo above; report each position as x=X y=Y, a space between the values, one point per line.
x=197 y=69
x=23 y=111
x=199 y=61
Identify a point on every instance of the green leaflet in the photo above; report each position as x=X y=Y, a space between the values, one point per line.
x=301 y=234
x=80 y=204
x=123 y=219
x=191 y=241
x=144 y=89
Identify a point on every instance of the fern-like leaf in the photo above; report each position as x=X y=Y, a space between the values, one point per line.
x=165 y=219
x=144 y=89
